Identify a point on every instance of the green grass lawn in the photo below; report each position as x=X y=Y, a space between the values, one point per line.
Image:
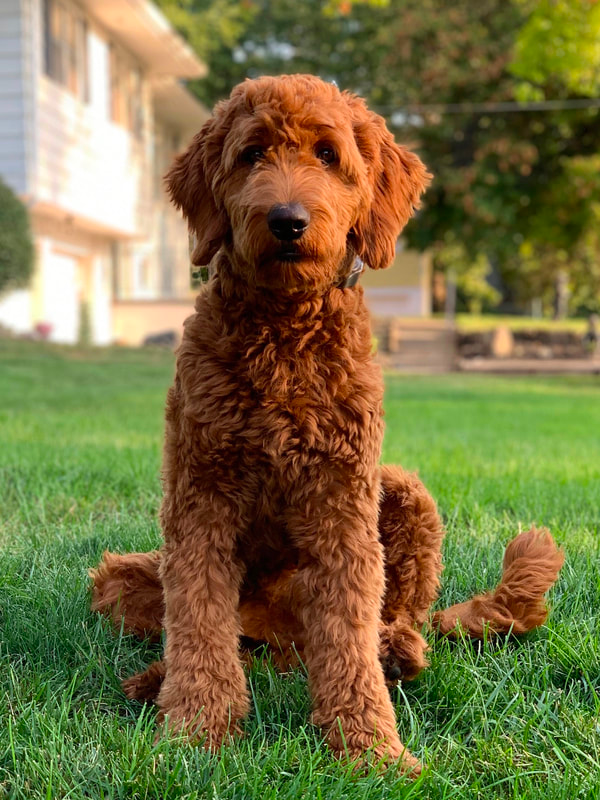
x=80 y=439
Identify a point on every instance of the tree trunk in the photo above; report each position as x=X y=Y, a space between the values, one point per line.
x=561 y=296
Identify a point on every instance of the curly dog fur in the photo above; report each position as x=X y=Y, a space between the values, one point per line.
x=279 y=526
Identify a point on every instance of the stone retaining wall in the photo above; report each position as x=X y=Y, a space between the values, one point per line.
x=539 y=343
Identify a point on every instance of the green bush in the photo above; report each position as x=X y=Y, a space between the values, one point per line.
x=16 y=241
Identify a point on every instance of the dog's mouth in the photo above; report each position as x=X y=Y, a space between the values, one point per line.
x=290 y=254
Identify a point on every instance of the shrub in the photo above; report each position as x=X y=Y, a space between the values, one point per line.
x=16 y=241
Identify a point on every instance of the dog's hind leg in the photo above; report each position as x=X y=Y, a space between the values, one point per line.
x=267 y=617
x=146 y=685
x=128 y=589
x=411 y=533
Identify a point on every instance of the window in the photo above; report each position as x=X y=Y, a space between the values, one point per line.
x=65 y=48
x=126 y=105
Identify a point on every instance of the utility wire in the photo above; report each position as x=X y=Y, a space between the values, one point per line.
x=493 y=108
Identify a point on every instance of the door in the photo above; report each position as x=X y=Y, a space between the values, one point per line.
x=61 y=297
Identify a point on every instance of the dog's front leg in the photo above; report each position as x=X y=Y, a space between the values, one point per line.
x=337 y=594
x=204 y=691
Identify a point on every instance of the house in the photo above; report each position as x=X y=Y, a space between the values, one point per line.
x=402 y=290
x=91 y=113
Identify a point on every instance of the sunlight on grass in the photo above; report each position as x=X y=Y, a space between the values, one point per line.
x=484 y=322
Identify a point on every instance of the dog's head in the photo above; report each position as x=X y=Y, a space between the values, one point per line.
x=294 y=178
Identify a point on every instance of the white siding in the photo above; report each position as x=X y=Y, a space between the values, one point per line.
x=58 y=151
x=13 y=169
x=88 y=166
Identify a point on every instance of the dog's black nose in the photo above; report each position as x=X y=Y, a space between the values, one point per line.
x=288 y=222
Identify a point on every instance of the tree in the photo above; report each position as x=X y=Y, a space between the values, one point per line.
x=559 y=43
x=213 y=28
x=557 y=52
x=470 y=276
x=507 y=185
x=504 y=181
x=258 y=37
x=16 y=242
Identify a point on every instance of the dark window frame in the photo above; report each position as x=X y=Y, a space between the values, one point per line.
x=66 y=52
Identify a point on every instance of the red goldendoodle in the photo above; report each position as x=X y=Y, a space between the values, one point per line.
x=279 y=526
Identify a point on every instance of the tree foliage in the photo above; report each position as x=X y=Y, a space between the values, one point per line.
x=518 y=186
x=16 y=241
x=557 y=53
x=248 y=38
x=559 y=45
x=514 y=188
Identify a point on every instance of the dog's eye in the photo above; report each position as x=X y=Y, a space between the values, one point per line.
x=326 y=154
x=253 y=154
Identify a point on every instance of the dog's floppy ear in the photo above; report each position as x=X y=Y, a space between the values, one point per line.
x=398 y=178
x=188 y=183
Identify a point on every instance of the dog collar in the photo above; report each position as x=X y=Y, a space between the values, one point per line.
x=352 y=278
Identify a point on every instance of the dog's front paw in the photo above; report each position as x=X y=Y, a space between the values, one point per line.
x=359 y=748
x=193 y=726
x=201 y=723
x=400 y=757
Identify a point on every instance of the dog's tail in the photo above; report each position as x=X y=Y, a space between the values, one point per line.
x=531 y=565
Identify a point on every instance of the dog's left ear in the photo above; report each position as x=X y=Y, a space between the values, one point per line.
x=189 y=183
x=398 y=179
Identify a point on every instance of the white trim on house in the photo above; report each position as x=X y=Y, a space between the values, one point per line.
x=145 y=32
x=177 y=107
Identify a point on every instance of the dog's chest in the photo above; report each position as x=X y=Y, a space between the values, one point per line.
x=280 y=404
x=310 y=403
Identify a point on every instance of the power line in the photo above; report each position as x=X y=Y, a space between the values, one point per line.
x=511 y=106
